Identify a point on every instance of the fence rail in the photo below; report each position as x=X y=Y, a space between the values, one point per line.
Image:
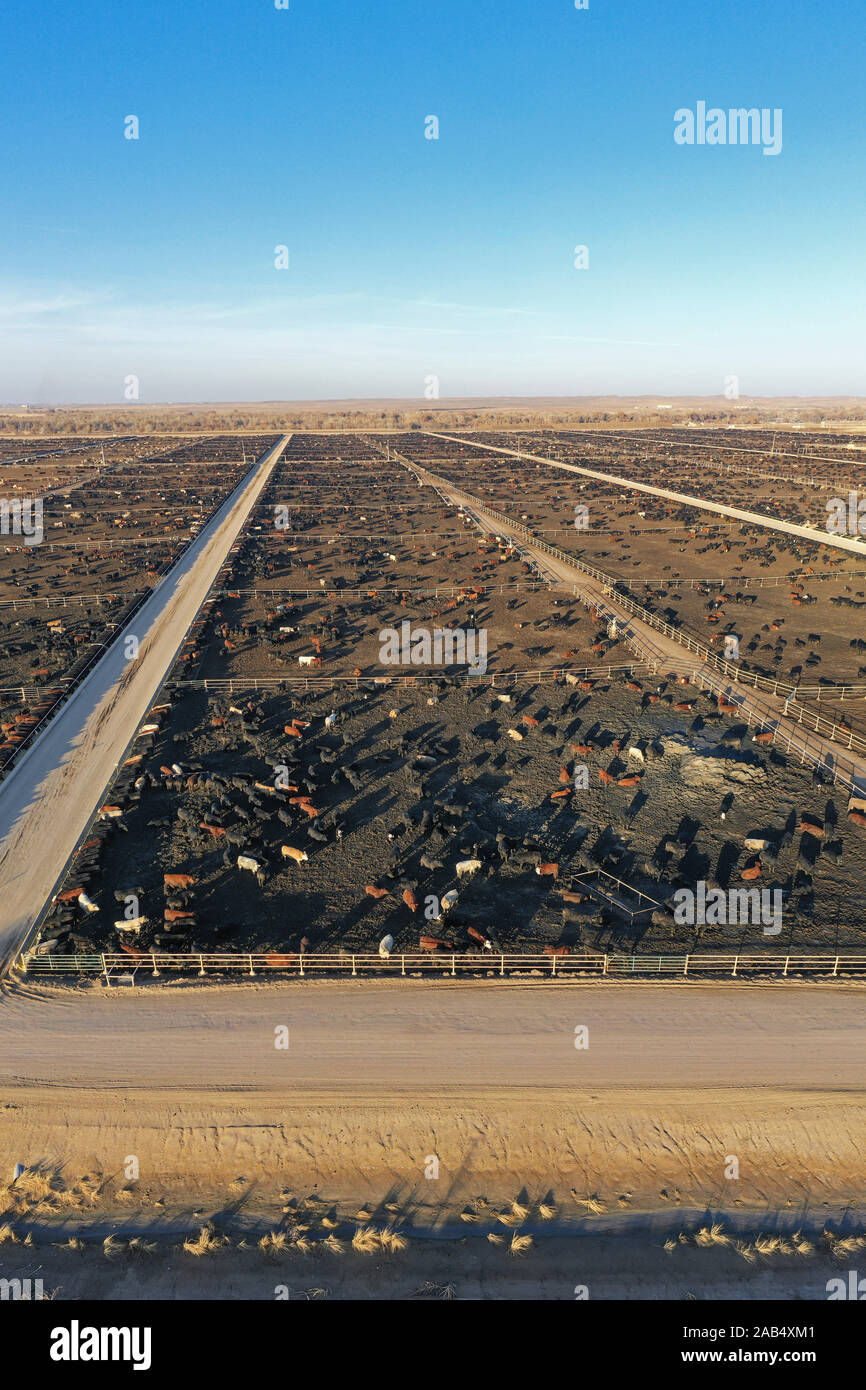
x=443 y=962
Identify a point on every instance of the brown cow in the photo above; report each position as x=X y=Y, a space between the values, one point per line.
x=410 y=900
x=375 y=892
x=807 y=828
x=69 y=895
x=177 y=880
x=300 y=856
x=547 y=870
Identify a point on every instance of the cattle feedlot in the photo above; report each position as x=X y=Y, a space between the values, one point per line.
x=603 y=792
x=432 y=680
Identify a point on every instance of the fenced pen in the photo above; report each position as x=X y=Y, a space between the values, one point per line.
x=495 y=964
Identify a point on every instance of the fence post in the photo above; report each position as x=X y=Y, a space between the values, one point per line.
x=502 y=964
x=153 y=960
x=785 y=971
x=252 y=972
x=836 y=966
x=201 y=965
x=686 y=966
x=604 y=965
x=354 y=971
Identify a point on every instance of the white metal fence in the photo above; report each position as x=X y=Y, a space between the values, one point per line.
x=513 y=965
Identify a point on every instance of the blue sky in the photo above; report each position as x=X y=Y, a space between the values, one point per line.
x=413 y=258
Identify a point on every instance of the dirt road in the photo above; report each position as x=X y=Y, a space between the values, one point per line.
x=424 y=1034
x=377 y=1078
x=47 y=801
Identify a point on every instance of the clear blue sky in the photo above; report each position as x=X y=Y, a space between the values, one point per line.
x=409 y=257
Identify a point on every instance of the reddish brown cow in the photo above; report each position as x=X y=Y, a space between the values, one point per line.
x=177 y=880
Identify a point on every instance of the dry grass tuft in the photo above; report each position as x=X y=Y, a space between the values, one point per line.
x=595 y=1205
x=519 y=1244
x=113 y=1247
x=139 y=1246
x=205 y=1243
x=274 y=1242
x=334 y=1244
x=366 y=1241
x=547 y=1211
x=74 y=1244
x=431 y=1290
x=393 y=1241
x=712 y=1235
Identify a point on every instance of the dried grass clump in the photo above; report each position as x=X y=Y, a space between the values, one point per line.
x=431 y=1290
x=74 y=1244
x=113 y=1248
x=274 y=1242
x=520 y=1244
x=333 y=1244
x=595 y=1205
x=205 y=1243
x=393 y=1241
x=139 y=1246
x=712 y=1235
x=366 y=1241
x=547 y=1211
x=845 y=1246
x=7 y=1234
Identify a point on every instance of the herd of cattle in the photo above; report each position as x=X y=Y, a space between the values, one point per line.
x=446 y=815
